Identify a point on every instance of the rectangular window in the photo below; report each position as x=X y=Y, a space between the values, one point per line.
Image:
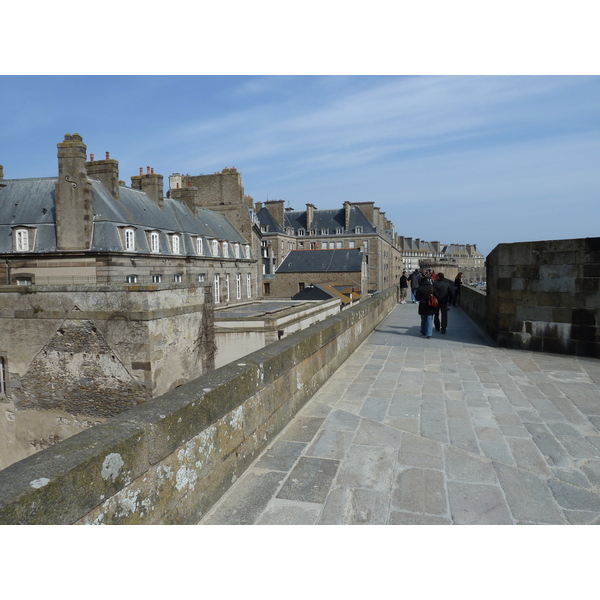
x=199 y=248
x=225 y=250
x=227 y=287
x=2 y=375
x=129 y=240
x=238 y=286
x=215 y=248
x=131 y=278
x=236 y=249
x=267 y=288
x=249 y=285
x=156 y=278
x=154 y=242
x=201 y=278
x=175 y=244
x=22 y=240
x=217 y=289
x=177 y=278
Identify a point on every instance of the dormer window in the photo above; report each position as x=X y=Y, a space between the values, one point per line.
x=154 y=242
x=301 y=232
x=22 y=240
x=358 y=229
x=339 y=231
x=248 y=251
x=264 y=228
x=225 y=250
x=313 y=232
x=199 y=247
x=215 y=248
x=176 y=244
x=325 y=231
x=129 y=240
x=236 y=250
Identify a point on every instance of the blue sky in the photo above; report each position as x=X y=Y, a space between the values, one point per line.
x=459 y=159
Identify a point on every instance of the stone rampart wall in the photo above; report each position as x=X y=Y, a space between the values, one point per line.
x=545 y=296
x=474 y=302
x=168 y=460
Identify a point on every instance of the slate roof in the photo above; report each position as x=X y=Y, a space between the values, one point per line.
x=31 y=202
x=324 y=291
x=322 y=261
x=331 y=219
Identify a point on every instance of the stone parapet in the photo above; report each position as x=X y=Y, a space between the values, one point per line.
x=168 y=461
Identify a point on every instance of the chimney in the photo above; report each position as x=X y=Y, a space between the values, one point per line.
x=107 y=171
x=276 y=208
x=310 y=215
x=188 y=194
x=347 y=214
x=74 y=214
x=258 y=207
x=152 y=184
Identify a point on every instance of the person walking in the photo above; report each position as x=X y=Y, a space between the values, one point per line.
x=403 y=287
x=457 y=283
x=443 y=290
x=415 y=280
x=425 y=311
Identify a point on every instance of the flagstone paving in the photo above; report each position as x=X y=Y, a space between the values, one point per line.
x=450 y=430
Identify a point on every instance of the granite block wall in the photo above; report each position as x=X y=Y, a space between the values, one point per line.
x=545 y=296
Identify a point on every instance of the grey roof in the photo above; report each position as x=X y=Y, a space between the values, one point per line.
x=31 y=202
x=331 y=219
x=322 y=261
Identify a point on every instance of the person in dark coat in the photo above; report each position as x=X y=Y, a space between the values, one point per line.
x=457 y=284
x=422 y=294
x=443 y=290
x=403 y=287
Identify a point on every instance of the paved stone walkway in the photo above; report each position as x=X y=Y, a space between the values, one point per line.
x=444 y=431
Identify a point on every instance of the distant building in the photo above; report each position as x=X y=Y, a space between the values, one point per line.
x=301 y=269
x=357 y=225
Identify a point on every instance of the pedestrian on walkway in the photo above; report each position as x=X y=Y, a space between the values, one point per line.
x=415 y=280
x=457 y=283
x=403 y=287
x=443 y=290
x=425 y=310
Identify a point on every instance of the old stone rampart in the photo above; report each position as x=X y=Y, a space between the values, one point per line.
x=545 y=296
x=168 y=460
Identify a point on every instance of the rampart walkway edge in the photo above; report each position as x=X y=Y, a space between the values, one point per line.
x=444 y=431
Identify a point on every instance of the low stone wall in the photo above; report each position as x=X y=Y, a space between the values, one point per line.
x=474 y=303
x=169 y=460
x=545 y=296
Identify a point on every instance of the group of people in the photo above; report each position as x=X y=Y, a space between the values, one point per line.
x=425 y=283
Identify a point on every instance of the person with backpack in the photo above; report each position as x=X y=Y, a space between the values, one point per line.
x=403 y=287
x=415 y=280
x=426 y=310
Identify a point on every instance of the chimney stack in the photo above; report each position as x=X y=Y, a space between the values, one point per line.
x=107 y=171
x=276 y=208
x=150 y=183
x=310 y=215
x=74 y=214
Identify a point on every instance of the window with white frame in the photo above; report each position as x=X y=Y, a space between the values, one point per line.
x=129 y=240
x=339 y=231
x=24 y=281
x=154 y=242
x=177 y=278
x=156 y=278
x=325 y=231
x=238 y=286
x=131 y=278
x=201 y=277
x=338 y=244
x=217 y=289
x=301 y=231
x=176 y=244
x=248 y=255
x=22 y=240
x=225 y=250
x=324 y=245
x=199 y=247
x=249 y=285
x=227 y=287
x=358 y=229
x=215 y=248
x=236 y=250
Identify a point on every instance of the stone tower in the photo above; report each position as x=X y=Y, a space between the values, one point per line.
x=74 y=214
